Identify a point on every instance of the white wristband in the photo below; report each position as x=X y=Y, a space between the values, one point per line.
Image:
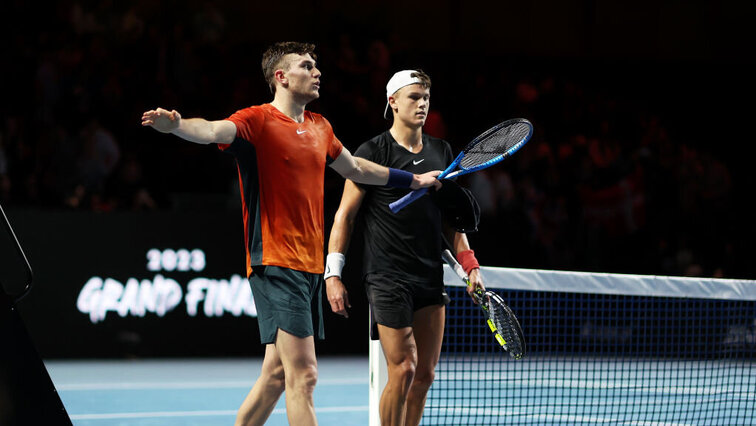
x=334 y=265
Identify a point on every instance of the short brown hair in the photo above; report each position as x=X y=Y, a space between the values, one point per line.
x=271 y=60
x=425 y=81
x=424 y=78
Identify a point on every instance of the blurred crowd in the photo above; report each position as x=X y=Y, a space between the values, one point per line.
x=608 y=183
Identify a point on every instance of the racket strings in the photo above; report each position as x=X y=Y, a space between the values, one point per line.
x=508 y=328
x=494 y=143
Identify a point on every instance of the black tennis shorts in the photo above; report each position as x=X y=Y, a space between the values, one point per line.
x=287 y=299
x=393 y=301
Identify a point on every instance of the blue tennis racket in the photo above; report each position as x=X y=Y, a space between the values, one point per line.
x=491 y=147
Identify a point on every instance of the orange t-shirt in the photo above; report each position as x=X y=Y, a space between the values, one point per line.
x=281 y=166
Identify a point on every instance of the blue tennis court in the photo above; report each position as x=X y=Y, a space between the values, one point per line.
x=196 y=392
x=208 y=392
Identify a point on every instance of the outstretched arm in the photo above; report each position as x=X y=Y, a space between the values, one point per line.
x=197 y=130
x=341 y=233
x=365 y=171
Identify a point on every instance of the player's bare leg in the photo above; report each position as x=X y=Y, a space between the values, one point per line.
x=428 y=329
x=264 y=395
x=401 y=358
x=298 y=358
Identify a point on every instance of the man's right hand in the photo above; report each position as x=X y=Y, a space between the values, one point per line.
x=337 y=296
x=162 y=120
x=426 y=180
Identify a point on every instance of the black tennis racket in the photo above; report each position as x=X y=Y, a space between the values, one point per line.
x=500 y=318
x=491 y=147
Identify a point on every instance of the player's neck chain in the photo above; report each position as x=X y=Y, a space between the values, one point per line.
x=414 y=148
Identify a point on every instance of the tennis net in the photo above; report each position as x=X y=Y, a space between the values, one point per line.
x=601 y=348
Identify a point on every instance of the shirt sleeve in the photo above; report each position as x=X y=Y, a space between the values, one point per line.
x=367 y=151
x=248 y=123
x=448 y=154
x=334 y=144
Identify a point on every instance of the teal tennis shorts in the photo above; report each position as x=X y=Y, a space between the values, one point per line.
x=287 y=299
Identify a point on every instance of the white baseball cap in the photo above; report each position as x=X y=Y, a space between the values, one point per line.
x=399 y=80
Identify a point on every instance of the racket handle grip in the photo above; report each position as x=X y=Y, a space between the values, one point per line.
x=407 y=199
x=456 y=267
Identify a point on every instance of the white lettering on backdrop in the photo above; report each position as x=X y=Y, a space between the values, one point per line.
x=162 y=295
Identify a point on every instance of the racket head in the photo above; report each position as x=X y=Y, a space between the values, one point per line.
x=489 y=148
x=494 y=145
x=505 y=323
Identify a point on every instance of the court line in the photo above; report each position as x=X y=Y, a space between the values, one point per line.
x=189 y=385
x=204 y=413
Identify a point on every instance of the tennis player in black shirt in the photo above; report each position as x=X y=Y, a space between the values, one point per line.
x=403 y=273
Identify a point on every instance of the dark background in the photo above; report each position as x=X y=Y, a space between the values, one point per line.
x=639 y=162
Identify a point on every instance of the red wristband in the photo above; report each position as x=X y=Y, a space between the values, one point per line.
x=467 y=260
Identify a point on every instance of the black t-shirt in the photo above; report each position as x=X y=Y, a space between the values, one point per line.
x=406 y=244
